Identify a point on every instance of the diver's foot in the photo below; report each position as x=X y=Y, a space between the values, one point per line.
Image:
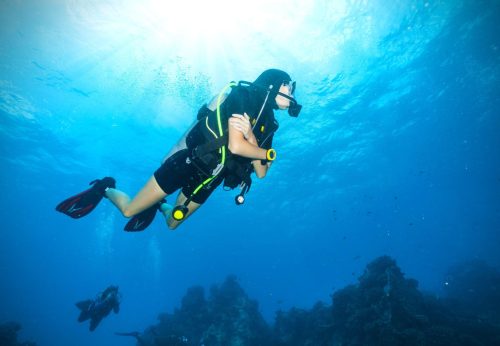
x=101 y=185
x=83 y=203
x=165 y=208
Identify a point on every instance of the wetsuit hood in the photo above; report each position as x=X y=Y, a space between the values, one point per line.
x=271 y=80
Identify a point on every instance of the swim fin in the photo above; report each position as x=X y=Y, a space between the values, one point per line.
x=142 y=220
x=84 y=304
x=84 y=307
x=82 y=204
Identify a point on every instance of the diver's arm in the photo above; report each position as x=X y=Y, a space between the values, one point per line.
x=259 y=168
x=238 y=145
x=242 y=124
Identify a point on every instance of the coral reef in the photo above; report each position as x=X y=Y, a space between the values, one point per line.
x=383 y=308
x=301 y=327
x=8 y=335
x=226 y=317
x=473 y=287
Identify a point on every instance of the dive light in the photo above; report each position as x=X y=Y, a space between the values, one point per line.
x=239 y=199
x=179 y=212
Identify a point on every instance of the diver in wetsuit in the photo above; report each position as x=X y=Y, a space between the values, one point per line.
x=97 y=309
x=231 y=139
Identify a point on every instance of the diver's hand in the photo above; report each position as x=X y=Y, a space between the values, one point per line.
x=242 y=124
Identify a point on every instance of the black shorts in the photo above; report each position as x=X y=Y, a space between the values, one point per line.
x=175 y=173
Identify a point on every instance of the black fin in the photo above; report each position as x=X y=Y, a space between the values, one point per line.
x=84 y=305
x=83 y=203
x=142 y=220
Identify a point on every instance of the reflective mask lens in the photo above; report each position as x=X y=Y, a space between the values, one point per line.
x=291 y=87
x=294 y=108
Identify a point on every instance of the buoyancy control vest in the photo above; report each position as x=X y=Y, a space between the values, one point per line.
x=205 y=145
x=208 y=141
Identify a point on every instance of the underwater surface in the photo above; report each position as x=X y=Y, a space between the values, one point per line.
x=396 y=153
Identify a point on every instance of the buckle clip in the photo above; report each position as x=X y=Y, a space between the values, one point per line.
x=217 y=169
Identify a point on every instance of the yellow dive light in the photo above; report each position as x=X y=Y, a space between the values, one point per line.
x=179 y=212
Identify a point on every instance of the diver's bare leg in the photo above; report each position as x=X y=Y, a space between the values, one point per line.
x=171 y=222
x=150 y=194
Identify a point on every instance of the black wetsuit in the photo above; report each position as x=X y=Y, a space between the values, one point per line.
x=182 y=171
x=97 y=309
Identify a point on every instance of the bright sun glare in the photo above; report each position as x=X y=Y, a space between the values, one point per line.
x=212 y=36
x=191 y=22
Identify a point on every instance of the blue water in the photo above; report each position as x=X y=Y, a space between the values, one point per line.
x=396 y=151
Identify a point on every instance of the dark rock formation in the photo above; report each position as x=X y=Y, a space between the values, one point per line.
x=383 y=308
x=8 y=335
x=303 y=327
x=473 y=288
x=226 y=317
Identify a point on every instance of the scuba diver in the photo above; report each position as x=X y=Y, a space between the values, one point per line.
x=231 y=139
x=96 y=310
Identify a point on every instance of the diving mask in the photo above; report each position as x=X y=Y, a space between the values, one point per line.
x=294 y=108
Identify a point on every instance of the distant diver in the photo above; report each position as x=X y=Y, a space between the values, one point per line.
x=231 y=139
x=96 y=310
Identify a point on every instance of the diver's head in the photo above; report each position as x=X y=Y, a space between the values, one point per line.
x=286 y=88
x=281 y=90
